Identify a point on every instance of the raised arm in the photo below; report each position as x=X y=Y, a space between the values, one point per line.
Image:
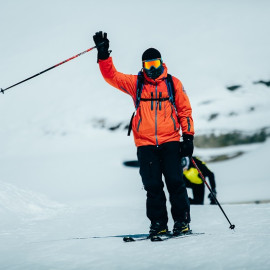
x=125 y=83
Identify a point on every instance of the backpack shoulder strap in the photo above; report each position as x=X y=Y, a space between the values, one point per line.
x=139 y=89
x=171 y=90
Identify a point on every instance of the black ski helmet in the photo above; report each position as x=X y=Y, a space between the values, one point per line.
x=150 y=54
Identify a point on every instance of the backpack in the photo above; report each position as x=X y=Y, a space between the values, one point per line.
x=140 y=80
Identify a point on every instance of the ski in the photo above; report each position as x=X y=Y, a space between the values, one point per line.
x=159 y=238
x=142 y=238
x=168 y=237
x=132 y=239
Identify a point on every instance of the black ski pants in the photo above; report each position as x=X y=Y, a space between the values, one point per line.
x=157 y=161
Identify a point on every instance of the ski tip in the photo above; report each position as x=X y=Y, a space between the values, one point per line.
x=156 y=239
x=128 y=239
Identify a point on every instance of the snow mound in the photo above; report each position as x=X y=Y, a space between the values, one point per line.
x=23 y=204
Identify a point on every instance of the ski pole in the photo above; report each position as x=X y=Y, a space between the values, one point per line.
x=57 y=65
x=194 y=163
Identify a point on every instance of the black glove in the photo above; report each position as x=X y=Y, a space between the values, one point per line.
x=211 y=197
x=186 y=146
x=102 y=44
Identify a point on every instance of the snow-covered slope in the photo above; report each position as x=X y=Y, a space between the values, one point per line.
x=245 y=110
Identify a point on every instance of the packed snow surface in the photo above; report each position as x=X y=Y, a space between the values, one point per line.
x=68 y=241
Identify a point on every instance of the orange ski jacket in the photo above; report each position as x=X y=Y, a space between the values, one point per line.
x=155 y=122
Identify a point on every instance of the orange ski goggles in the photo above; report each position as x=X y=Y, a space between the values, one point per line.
x=156 y=63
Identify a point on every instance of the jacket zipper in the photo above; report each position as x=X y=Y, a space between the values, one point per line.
x=188 y=121
x=174 y=124
x=156 y=108
x=138 y=126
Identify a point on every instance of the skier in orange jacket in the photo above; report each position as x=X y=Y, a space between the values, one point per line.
x=156 y=128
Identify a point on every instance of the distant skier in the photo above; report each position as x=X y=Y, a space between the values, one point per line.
x=156 y=130
x=194 y=181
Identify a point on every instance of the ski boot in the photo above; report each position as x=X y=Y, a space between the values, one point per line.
x=180 y=228
x=157 y=229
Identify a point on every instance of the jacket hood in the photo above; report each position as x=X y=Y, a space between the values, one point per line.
x=158 y=79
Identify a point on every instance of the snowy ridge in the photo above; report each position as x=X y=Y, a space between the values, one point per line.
x=245 y=109
x=25 y=204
